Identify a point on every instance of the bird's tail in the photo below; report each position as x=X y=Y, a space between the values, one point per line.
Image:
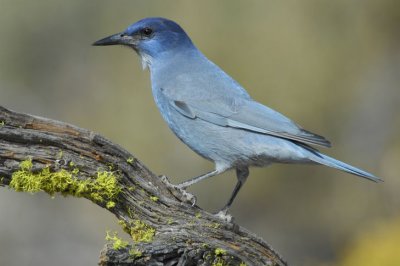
x=331 y=162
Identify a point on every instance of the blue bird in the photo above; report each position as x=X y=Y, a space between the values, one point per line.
x=211 y=113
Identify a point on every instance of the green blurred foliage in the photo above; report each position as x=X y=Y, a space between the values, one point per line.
x=379 y=246
x=331 y=66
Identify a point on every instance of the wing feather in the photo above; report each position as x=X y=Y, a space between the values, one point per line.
x=248 y=115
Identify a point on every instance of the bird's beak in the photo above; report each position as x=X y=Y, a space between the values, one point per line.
x=119 y=38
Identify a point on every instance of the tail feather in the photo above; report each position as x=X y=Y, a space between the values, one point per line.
x=331 y=162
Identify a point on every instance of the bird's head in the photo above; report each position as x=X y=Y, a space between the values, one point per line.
x=150 y=38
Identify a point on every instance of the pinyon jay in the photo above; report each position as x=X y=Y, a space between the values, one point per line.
x=211 y=113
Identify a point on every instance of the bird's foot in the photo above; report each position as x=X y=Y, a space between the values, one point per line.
x=224 y=215
x=179 y=191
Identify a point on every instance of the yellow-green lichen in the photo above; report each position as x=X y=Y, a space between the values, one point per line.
x=219 y=252
x=198 y=215
x=110 y=204
x=106 y=185
x=242 y=264
x=75 y=171
x=60 y=154
x=2 y=123
x=130 y=160
x=124 y=226
x=102 y=188
x=214 y=225
x=154 y=198
x=135 y=253
x=142 y=232
x=26 y=165
x=139 y=231
x=131 y=213
x=110 y=166
x=117 y=242
x=219 y=261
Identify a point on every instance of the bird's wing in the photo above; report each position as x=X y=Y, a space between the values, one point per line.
x=246 y=114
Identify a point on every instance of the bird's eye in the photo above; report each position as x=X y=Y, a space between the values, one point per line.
x=146 y=32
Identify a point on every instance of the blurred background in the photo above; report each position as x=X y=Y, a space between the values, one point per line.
x=331 y=66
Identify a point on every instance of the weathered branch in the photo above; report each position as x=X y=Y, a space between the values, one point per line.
x=39 y=154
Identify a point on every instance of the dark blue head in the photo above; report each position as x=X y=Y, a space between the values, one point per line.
x=150 y=37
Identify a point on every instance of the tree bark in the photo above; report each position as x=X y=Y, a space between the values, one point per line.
x=165 y=229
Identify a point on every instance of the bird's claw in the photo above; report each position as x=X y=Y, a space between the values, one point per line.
x=223 y=215
x=188 y=196
x=183 y=195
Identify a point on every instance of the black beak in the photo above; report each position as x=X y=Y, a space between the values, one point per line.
x=119 y=38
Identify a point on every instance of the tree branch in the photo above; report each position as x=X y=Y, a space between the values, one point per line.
x=39 y=154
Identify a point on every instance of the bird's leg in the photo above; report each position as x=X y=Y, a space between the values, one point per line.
x=241 y=174
x=196 y=179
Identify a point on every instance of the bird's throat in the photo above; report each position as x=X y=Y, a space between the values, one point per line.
x=146 y=60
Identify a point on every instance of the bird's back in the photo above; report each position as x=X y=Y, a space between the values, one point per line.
x=190 y=75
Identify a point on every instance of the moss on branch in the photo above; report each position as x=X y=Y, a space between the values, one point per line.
x=102 y=188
